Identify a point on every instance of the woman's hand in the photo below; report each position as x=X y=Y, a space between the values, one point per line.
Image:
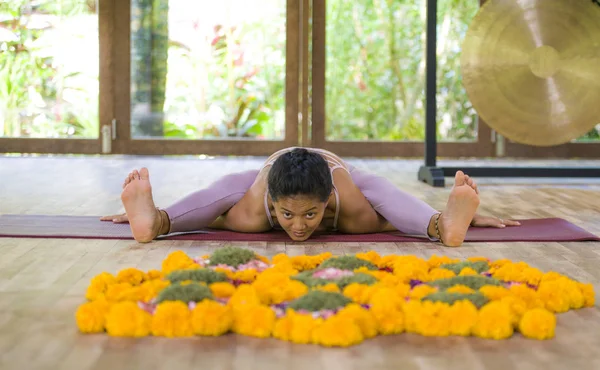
x=487 y=221
x=117 y=219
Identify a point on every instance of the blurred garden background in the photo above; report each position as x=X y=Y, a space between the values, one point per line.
x=204 y=69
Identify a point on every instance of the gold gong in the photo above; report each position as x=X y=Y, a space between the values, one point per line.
x=531 y=68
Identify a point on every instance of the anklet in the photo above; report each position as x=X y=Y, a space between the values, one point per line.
x=161 y=221
x=437 y=230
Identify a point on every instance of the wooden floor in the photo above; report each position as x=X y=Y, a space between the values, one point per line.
x=42 y=281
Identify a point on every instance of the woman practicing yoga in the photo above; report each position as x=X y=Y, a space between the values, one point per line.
x=303 y=190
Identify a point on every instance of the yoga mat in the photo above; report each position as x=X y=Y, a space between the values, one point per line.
x=90 y=227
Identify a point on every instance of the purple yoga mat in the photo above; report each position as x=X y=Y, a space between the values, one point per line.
x=90 y=227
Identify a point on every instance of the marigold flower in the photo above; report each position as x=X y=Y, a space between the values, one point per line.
x=127 y=319
x=420 y=291
x=478 y=258
x=275 y=288
x=440 y=273
x=131 y=275
x=118 y=292
x=528 y=295
x=538 y=324
x=337 y=331
x=461 y=316
x=245 y=276
x=330 y=287
x=370 y=256
x=495 y=321
x=172 y=319
x=98 y=286
x=254 y=321
x=295 y=327
x=554 y=295
x=494 y=292
x=387 y=311
x=436 y=261
x=460 y=289
x=222 y=289
x=432 y=319
x=517 y=307
x=154 y=275
x=359 y=293
x=587 y=290
x=467 y=271
x=210 y=318
x=91 y=316
x=361 y=317
x=178 y=261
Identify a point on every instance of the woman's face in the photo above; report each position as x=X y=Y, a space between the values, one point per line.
x=299 y=215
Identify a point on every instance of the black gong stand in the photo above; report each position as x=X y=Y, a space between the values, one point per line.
x=434 y=175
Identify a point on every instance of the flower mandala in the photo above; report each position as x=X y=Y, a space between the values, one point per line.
x=328 y=300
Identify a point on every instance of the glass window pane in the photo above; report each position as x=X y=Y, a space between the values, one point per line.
x=49 y=69
x=375 y=83
x=208 y=69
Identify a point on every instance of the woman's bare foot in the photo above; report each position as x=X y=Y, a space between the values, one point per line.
x=144 y=218
x=460 y=209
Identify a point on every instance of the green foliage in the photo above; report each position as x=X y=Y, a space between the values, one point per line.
x=207 y=276
x=231 y=256
x=185 y=293
x=358 y=278
x=347 y=263
x=478 y=299
x=479 y=266
x=317 y=300
x=472 y=281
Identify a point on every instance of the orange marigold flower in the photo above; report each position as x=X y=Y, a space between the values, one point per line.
x=538 y=324
x=461 y=316
x=516 y=305
x=478 y=258
x=387 y=311
x=359 y=293
x=295 y=327
x=460 y=289
x=172 y=319
x=254 y=321
x=126 y=319
x=154 y=275
x=370 y=256
x=494 y=292
x=337 y=331
x=587 y=290
x=331 y=287
x=555 y=296
x=210 y=318
x=495 y=321
x=246 y=276
x=275 y=288
x=467 y=271
x=222 y=289
x=178 y=260
x=420 y=291
x=98 y=286
x=118 y=292
x=440 y=273
x=528 y=295
x=364 y=319
x=91 y=316
x=436 y=261
x=132 y=276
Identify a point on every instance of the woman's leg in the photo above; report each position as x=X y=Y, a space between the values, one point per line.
x=403 y=211
x=200 y=208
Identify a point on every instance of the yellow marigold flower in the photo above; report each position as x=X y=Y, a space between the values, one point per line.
x=126 y=319
x=118 y=292
x=331 y=287
x=387 y=311
x=254 y=321
x=587 y=290
x=574 y=294
x=494 y=292
x=274 y=288
x=402 y=290
x=440 y=273
x=227 y=272
x=411 y=310
x=554 y=295
x=98 y=286
x=359 y=293
x=91 y=316
x=210 y=318
x=222 y=289
x=377 y=274
x=499 y=263
x=263 y=259
x=178 y=261
x=390 y=280
x=406 y=273
x=154 y=275
x=295 y=327
x=432 y=319
x=552 y=275
x=495 y=321
x=387 y=262
x=370 y=256
x=538 y=324
x=132 y=276
x=436 y=261
x=302 y=263
x=528 y=295
x=246 y=276
x=420 y=291
x=244 y=296
x=467 y=271
x=172 y=319
x=460 y=289
x=153 y=288
x=337 y=331
x=461 y=316
x=478 y=258
x=531 y=275
x=517 y=307
x=364 y=319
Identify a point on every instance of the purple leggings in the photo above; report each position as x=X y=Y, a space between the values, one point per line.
x=199 y=209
